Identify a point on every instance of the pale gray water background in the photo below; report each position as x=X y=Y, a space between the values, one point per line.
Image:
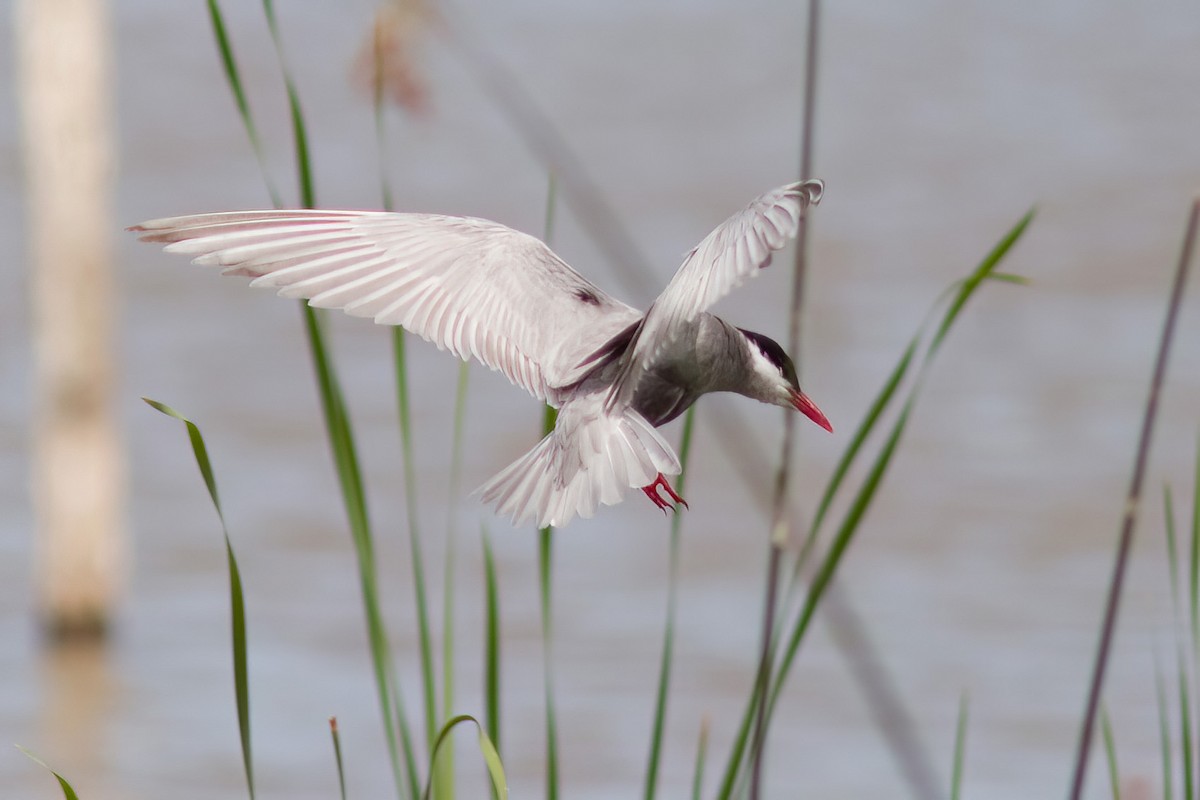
x=982 y=567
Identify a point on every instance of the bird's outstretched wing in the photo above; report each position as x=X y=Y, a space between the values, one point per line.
x=733 y=253
x=473 y=287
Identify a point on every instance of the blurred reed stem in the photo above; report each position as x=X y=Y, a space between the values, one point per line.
x=1132 y=503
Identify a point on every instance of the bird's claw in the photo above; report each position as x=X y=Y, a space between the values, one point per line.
x=660 y=501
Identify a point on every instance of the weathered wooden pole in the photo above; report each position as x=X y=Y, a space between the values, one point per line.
x=64 y=85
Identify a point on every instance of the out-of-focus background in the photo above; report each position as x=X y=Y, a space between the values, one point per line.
x=982 y=567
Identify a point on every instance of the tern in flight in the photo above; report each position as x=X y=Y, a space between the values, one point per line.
x=480 y=289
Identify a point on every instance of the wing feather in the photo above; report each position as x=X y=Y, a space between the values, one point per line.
x=729 y=256
x=473 y=287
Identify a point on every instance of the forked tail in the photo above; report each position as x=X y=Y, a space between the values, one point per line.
x=591 y=457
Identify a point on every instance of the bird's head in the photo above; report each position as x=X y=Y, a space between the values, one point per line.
x=774 y=378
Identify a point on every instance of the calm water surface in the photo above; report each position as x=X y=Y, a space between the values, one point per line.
x=981 y=568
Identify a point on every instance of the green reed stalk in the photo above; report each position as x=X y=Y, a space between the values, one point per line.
x=491 y=661
x=237 y=603
x=67 y=790
x=1110 y=752
x=735 y=769
x=701 y=757
x=337 y=757
x=337 y=423
x=658 y=726
x=545 y=553
x=444 y=780
x=1164 y=736
x=960 y=749
x=491 y=758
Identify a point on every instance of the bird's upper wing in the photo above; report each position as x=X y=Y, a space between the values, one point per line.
x=734 y=252
x=473 y=287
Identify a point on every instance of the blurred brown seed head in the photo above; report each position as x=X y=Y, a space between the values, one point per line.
x=389 y=60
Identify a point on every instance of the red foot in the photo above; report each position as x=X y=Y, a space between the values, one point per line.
x=660 y=501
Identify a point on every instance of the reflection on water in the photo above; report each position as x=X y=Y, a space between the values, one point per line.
x=983 y=565
x=79 y=698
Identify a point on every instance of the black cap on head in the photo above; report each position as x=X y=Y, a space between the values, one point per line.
x=774 y=353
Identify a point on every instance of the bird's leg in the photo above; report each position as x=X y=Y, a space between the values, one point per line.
x=658 y=500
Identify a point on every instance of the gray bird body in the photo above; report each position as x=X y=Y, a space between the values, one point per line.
x=482 y=290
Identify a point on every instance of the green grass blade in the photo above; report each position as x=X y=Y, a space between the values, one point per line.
x=336 y=421
x=1194 y=583
x=866 y=493
x=741 y=740
x=545 y=555
x=864 y=430
x=385 y=186
x=491 y=679
x=299 y=129
x=237 y=605
x=345 y=456
x=67 y=790
x=337 y=756
x=984 y=271
x=400 y=366
x=701 y=757
x=445 y=778
x=1185 y=732
x=1110 y=751
x=491 y=757
x=961 y=294
x=1164 y=735
x=234 y=78
x=845 y=534
x=545 y=558
x=1172 y=550
x=429 y=690
x=668 y=647
x=960 y=749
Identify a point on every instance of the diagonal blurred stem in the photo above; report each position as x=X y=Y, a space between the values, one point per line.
x=579 y=191
x=1132 y=500
x=779 y=513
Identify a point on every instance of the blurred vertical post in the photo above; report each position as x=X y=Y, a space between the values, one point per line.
x=64 y=84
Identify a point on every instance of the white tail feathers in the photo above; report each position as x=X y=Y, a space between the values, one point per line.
x=589 y=458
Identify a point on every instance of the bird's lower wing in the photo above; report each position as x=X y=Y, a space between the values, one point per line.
x=591 y=457
x=729 y=256
x=476 y=288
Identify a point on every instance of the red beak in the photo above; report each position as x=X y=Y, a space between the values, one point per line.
x=809 y=409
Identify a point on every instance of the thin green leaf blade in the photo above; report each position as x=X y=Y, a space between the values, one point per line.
x=863 y=498
x=234 y=78
x=491 y=691
x=985 y=269
x=1164 y=735
x=67 y=790
x=1185 y=732
x=701 y=758
x=960 y=749
x=337 y=756
x=1110 y=751
x=237 y=604
x=545 y=558
x=487 y=749
x=416 y=550
x=658 y=724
